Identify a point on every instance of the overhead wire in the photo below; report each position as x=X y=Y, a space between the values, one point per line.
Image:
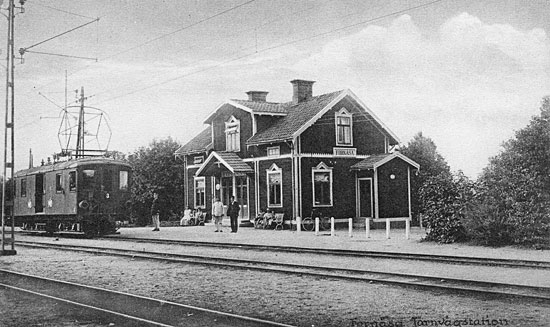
x=139 y=45
x=394 y=13
x=240 y=32
x=60 y=10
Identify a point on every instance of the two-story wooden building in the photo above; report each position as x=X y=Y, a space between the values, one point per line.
x=328 y=153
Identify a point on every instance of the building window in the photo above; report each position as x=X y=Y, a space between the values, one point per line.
x=344 y=132
x=123 y=180
x=274 y=187
x=58 y=183
x=273 y=151
x=322 y=185
x=233 y=135
x=24 y=187
x=198 y=160
x=200 y=191
x=72 y=181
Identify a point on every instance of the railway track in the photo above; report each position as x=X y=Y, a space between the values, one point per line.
x=358 y=275
x=134 y=310
x=510 y=263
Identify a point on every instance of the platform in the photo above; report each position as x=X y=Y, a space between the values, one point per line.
x=341 y=240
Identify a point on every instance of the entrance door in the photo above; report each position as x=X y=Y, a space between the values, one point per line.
x=39 y=193
x=365 y=197
x=240 y=190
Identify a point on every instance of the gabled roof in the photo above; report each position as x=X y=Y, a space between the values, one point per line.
x=295 y=119
x=229 y=160
x=199 y=143
x=304 y=114
x=297 y=116
x=378 y=160
x=253 y=107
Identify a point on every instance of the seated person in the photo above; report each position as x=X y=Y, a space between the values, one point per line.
x=186 y=217
x=200 y=216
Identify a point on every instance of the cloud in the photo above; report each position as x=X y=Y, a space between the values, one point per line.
x=468 y=86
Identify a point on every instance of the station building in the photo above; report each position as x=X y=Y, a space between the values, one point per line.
x=327 y=153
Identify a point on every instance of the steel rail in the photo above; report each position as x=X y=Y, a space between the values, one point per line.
x=409 y=280
x=451 y=259
x=160 y=312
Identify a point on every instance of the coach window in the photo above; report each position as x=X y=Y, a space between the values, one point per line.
x=72 y=181
x=123 y=180
x=88 y=178
x=322 y=185
x=23 y=187
x=58 y=183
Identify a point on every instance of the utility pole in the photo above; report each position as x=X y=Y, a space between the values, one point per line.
x=9 y=135
x=80 y=133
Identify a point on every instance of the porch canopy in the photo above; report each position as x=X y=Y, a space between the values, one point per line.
x=219 y=161
x=378 y=160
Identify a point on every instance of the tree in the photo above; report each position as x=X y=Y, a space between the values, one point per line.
x=424 y=151
x=155 y=169
x=513 y=200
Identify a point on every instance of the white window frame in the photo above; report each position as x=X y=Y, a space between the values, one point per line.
x=195 y=189
x=123 y=182
x=274 y=151
x=233 y=135
x=273 y=170
x=344 y=114
x=322 y=168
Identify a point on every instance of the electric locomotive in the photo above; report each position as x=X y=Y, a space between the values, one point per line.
x=84 y=196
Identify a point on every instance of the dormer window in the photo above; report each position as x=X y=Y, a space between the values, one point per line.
x=344 y=127
x=233 y=135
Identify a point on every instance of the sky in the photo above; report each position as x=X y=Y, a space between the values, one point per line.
x=467 y=74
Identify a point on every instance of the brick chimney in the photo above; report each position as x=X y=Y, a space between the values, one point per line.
x=302 y=90
x=259 y=96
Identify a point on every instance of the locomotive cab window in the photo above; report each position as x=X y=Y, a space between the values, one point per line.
x=88 y=178
x=107 y=180
x=58 y=183
x=123 y=180
x=72 y=181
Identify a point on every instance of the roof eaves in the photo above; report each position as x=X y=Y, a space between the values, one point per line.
x=229 y=102
x=178 y=153
x=371 y=113
x=268 y=141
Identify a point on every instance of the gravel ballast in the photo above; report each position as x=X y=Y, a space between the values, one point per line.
x=300 y=300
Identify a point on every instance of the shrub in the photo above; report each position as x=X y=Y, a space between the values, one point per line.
x=444 y=198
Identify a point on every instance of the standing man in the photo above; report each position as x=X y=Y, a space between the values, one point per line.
x=217 y=213
x=155 y=212
x=233 y=212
